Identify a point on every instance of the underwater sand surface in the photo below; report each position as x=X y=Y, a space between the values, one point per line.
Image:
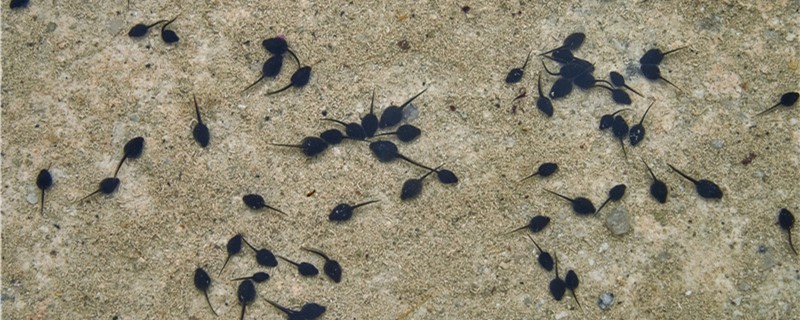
x=75 y=88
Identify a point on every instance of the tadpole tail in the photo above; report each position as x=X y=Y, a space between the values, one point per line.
x=86 y=197
x=280 y=90
x=673 y=50
x=334 y=120
x=169 y=22
x=517 y=229
x=634 y=91
x=791 y=245
x=602 y=205
x=535 y=244
x=156 y=23
x=197 y=109
x=530 y=176
x=41 y=210
x=682 y=174
x=548 y=70
x=244 y=306
x=317 y=252
x=294 y=56
x=412 y=98
x=254 y=83
x=624 y=153
x=364 y=203
x=539 y=84
x=287 y=145
x=646 y=111
x=209 y=304
x=565 y=198
x=576 y=299
x=770 y=109
x=120 y=165
x=280 y=307
x=224 y=264
x=672 y=84
x=284 y=213
x=526 y=60
x=415 y=163
x=249 y=245
x=372 y=103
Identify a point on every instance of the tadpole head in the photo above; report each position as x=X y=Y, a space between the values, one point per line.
x=385 y=151
x=276 y=46
x=446 y=176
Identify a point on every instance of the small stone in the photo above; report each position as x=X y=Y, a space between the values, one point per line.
x=617 y=222
x=51 y=27
x=762 y=248
x=32 y=198
x=717 y=144
x=410 y=112
x=605 y=300
x=689 y=293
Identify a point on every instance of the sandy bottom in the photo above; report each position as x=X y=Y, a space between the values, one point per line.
x=76 y=88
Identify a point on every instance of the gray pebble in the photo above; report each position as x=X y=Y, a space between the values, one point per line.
x=32 y=198
x=605 y=300
x=617 y=222
x=51 y=27
x=717 y=144
x=410 y=112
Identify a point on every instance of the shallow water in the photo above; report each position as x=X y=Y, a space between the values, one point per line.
x=76 y=88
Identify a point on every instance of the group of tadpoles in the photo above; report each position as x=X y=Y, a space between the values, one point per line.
x=383 y=150
x=169 y=36
x=278 y=47
x=246 y=292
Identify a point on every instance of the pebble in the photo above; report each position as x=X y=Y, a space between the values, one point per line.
x=717 y=144
x=617 y=222
x=32 y=198
x=605 y=300
x=410 y=112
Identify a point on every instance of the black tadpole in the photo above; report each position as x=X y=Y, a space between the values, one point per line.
x=246 y=294
x=787 y=100
x=257 y=277
x=107 y=186
x=580 y=205
x=705 y=188
x=256 y=202
x=636 y=133
x=557 y=286
x=545 y=170
x=141 y=29
x=344 y=211
x=311 y=146
x=392 y=115
x=370 y=121
x=299 y=79
x=168 y=35
x=44 y=181
x=203 y=282
x=271 y=68
x=264 y=256
x=537 y=223
x=332 y=268
x=200 y=131
x=544 y=258
x=413 y=187
x=615 y=194
x=658 y=189
x=304 y=268
x=133 y=149
x=543 y=103
x=571 y=281
x=234 y=246
x=786 y=222
x=515 y=75
x=607 y=120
